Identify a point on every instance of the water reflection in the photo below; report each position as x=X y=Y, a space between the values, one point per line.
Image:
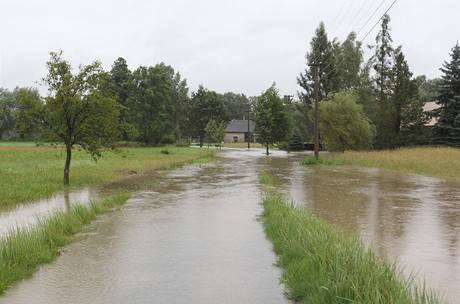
x=26 y=215
x=412 y=219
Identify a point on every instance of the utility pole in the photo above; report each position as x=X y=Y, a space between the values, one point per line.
x=316 y=122
x=249 y=129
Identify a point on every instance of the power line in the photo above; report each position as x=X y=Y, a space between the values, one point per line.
x=358 y=12
x=378 y=21
x=365 y=36
x=372 y=16
x=345 y=15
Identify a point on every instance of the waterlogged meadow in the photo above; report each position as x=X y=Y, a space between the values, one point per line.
x=438 y=162
x=28 y=172
x=322 y=264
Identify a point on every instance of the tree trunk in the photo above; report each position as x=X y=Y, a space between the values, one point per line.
x=201 y=141
x=267 y=149
x=67 y=164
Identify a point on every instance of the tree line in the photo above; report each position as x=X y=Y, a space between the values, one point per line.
x=97 y=109
x=154 y=103
x=376 y=103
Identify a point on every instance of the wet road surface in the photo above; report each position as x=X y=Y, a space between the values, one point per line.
x=192 y=238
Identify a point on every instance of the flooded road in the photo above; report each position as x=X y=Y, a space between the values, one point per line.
x=193 y=236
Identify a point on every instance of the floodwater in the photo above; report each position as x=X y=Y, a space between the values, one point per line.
x=27 y=215
x=192 y=235
x=409 y=219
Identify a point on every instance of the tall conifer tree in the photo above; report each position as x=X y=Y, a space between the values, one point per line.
x=447 y=130
x=321 y=53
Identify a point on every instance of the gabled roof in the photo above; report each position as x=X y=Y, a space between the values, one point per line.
x=240 y=126
x=429 y=107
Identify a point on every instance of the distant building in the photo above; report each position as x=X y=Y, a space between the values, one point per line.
x=428 y=108
x=237 y=131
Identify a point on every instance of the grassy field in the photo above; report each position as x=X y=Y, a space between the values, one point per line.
x=439 y=162
x=23 y=251
x=323 y=265
x=242 y=145
x=28 y=172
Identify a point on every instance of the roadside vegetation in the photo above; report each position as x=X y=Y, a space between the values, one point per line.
x=36 y=172
x=22 y=251
x=438 y=162
x=322 y=264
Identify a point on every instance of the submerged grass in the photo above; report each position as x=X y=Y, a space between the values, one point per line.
x=28 y=172
x=439 y=162
x=322 y=264
x=311 y=161
x=22 y=251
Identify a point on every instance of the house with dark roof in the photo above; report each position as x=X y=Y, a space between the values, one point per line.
x=239 y=131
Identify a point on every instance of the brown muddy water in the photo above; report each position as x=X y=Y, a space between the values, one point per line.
x=409 y=219
x=27 y=215
x=192 y=235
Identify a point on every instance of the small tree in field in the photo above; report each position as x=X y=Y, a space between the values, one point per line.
x=272 y=119
x=79 y=110
x=215 y=132
x=344 y=125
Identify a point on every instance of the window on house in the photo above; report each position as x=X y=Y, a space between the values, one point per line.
x=235 y=139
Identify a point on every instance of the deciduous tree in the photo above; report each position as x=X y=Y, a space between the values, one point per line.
x=78 y=111
x=205 y=105
x=272 y=119
x=215 y=132
x=343 y=123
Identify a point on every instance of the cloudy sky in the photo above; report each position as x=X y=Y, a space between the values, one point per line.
x=227 y=45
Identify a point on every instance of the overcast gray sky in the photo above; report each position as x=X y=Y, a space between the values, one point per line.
x=237 y=45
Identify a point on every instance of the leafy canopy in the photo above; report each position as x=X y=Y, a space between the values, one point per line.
x=344 y=126
x=271 y=117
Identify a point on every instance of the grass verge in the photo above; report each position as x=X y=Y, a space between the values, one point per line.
x=322 y=264
x=31 y=172
x=22 y=251
x=438 y=162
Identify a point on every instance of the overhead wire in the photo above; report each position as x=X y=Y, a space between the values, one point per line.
x=364 y=37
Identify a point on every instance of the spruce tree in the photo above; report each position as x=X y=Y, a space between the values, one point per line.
x=321 y=53
x=382 y=65
x=447 y=129
x=404 y=99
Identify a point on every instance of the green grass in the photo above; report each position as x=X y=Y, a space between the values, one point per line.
x=17 y=144
x=34 y=172
x=22 y=251
x=439 y=162
x=324 y=265
x=311 y=161
x=241 y=145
